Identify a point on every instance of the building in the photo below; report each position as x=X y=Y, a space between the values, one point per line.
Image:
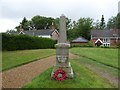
x=105 y=37
x=79 y=41
x=45 y=33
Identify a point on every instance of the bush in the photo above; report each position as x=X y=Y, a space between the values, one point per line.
x=23 y=42
x=89 y=44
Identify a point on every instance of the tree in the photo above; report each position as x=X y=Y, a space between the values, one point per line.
x=111 y=22
x=81 y=28
x=10 y=31
x=24 y=23
x=102 y=24
x=68 y=23
x=118 y=21
x=41 y=22
x=57 y=24
x=71 y=34
x=114 y=22
x=97 y=25
x=84 y=27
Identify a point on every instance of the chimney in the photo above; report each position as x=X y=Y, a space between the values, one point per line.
x=114 y=32
x=21 y=29
x=53 y=26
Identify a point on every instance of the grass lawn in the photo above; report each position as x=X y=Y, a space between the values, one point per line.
x=103 y=59
x=105 y=56
x=84 y=78
x=12 y=59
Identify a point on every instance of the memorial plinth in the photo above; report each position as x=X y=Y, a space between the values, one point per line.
x=62 y=67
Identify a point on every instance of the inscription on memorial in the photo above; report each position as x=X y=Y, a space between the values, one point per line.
x=62 y=59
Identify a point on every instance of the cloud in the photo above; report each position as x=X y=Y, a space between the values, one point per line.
x=6 y=24
x=29 y=8
x=14 y=10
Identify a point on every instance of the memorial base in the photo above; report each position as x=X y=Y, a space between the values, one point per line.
x=68 y=70
x=62 y=68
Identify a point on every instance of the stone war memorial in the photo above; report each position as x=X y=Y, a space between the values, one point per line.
x=62 y=69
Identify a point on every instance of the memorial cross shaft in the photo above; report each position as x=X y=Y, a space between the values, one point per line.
x=62 y=32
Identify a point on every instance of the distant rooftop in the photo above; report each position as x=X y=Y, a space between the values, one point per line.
x=80 y=39
x=104 y=33
x=36 y=32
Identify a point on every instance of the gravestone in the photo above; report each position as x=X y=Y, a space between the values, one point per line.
x=62 y=68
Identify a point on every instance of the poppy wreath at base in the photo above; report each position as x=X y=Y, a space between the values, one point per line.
x=60 y=75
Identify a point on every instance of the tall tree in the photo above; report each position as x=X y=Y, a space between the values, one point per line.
x=84 y=27
x=112 y=23
x=118 y=21
x=81 y=28
x=24 y=23
x=68 y=23
x=41 y=22
x=102 y=24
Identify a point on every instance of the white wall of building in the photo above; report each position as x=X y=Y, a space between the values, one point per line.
x=44 y=36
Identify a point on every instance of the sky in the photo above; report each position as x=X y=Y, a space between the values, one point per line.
x=13 y=11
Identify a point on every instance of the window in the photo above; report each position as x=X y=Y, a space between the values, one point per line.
x=106 y=40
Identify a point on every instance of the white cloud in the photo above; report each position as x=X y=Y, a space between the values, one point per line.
x=14 y=10
x=6 y=24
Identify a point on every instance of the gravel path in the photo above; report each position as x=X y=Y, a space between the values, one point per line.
x=17 y=77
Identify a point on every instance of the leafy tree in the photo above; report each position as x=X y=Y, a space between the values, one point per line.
x=37 y=22
x=81 y=28
x=97 y=25
x=24 y=23
x=31 y=25
x=10 y=31
x=57 y=24
x=84 y=27
x=114 y=22
x=118 y=21
x=111 y=23
x=72 y=34
x=41 y=22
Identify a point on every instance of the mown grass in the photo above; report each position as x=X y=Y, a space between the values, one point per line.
x=83 y=78
x=98 y=66
x=105 y=56
x=12 y=59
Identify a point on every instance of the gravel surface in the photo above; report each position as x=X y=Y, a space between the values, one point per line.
x=19 y=76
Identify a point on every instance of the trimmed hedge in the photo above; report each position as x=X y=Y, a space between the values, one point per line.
x=23 y=42
x=89 y=44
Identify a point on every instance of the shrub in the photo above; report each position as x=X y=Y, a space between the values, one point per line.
x=89 y=44
x=23 y=42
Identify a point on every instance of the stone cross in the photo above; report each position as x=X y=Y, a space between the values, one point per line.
x=62 y=53
x=62 y=32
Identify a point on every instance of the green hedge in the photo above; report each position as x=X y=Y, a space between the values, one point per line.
x=89 y=44
x=23 y=42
